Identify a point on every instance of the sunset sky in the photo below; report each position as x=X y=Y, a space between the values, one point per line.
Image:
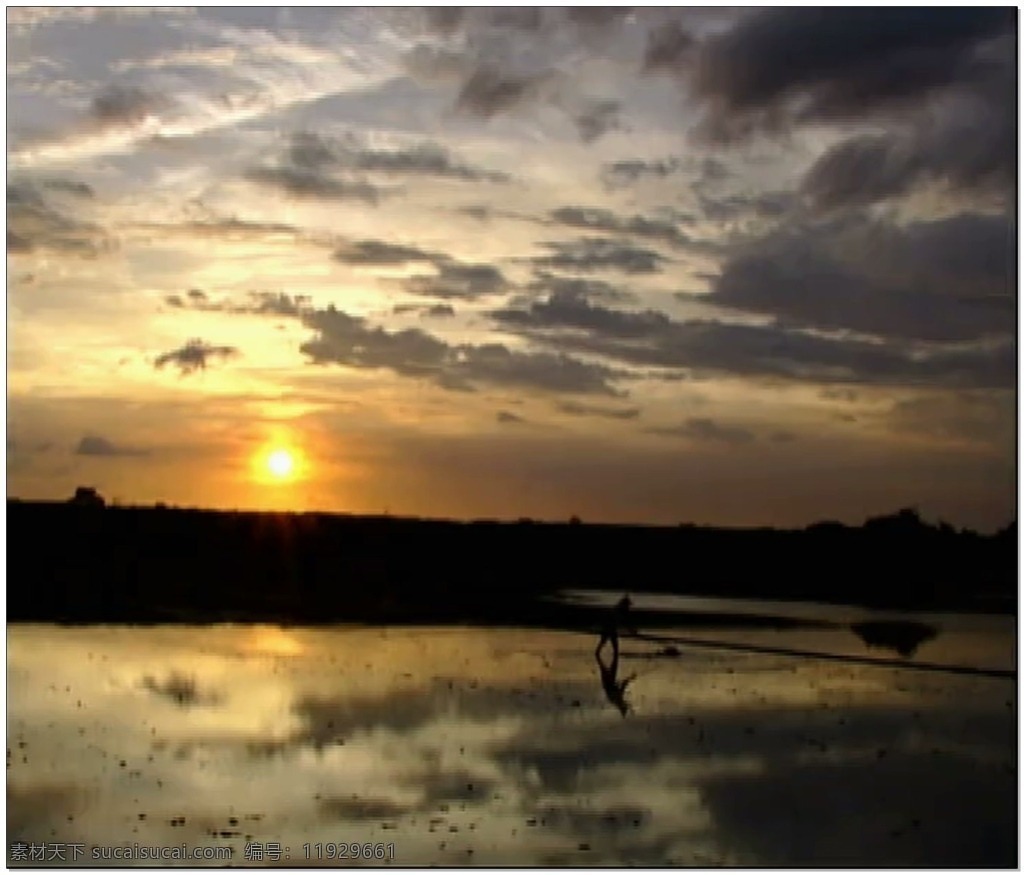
x=725 y=266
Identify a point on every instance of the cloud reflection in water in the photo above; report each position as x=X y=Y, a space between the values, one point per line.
x=491 y=746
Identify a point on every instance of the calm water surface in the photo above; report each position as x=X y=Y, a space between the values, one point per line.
x=481 y=746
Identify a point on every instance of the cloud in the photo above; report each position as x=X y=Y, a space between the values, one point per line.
x=300 y=183
x=568 y=308
x=274 y=304
x=439 y=311
x=706 y=431
x=444 y=19
x=317 y=166
x=948 y=280
x=498 y=365
x=381 y=254
x=351 y=341
x=554 y=285
x=574 y=408
x=489 y=91
x=765 y=205
x=597 y=219
x=778 y=66
x=258 y=304
x=68 y=186
x=125 y=106
x=969 y=149
x=707 y=347
x=93 y=445
x=456 y=280
x=600 y=253
x=597 y=16
x=598 y=118
x=314 y=152
x=44 y=214
x=504 y=417
x=435 y=311
x=425 y=159
x=193 y=356
x=618 y=174
x=229 y=227
x=670 y=47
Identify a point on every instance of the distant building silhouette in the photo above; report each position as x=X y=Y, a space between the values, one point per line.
x=87 y=496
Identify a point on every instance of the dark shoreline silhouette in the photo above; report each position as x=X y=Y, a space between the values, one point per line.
x=81 y=562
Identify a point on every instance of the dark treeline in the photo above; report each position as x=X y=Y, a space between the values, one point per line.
x=81 y=562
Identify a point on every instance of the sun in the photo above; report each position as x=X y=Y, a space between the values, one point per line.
x=280 y=464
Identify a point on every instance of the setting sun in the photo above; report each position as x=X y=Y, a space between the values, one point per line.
x=280 y=463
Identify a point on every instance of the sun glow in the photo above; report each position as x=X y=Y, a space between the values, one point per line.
x=280 y=463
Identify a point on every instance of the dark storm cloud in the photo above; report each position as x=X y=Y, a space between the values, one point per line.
x=93 y=445
x=598 y=219
x=843 y=62
x=621 y=173
x=574 y=408
x=704 y=347
x=705 y=430
x=194 y=355
x=597 y=119
x=351 y=341
x=125 y=106
x=507 y=418
x=949 y=280
x=599 y=253
x=970 y=150
x=41 y=215
x=455 y=280
x=382 y=254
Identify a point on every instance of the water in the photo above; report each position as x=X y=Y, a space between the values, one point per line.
x=488 y=746
x=983 y=641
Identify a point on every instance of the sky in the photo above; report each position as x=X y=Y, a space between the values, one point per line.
x=727 y=266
